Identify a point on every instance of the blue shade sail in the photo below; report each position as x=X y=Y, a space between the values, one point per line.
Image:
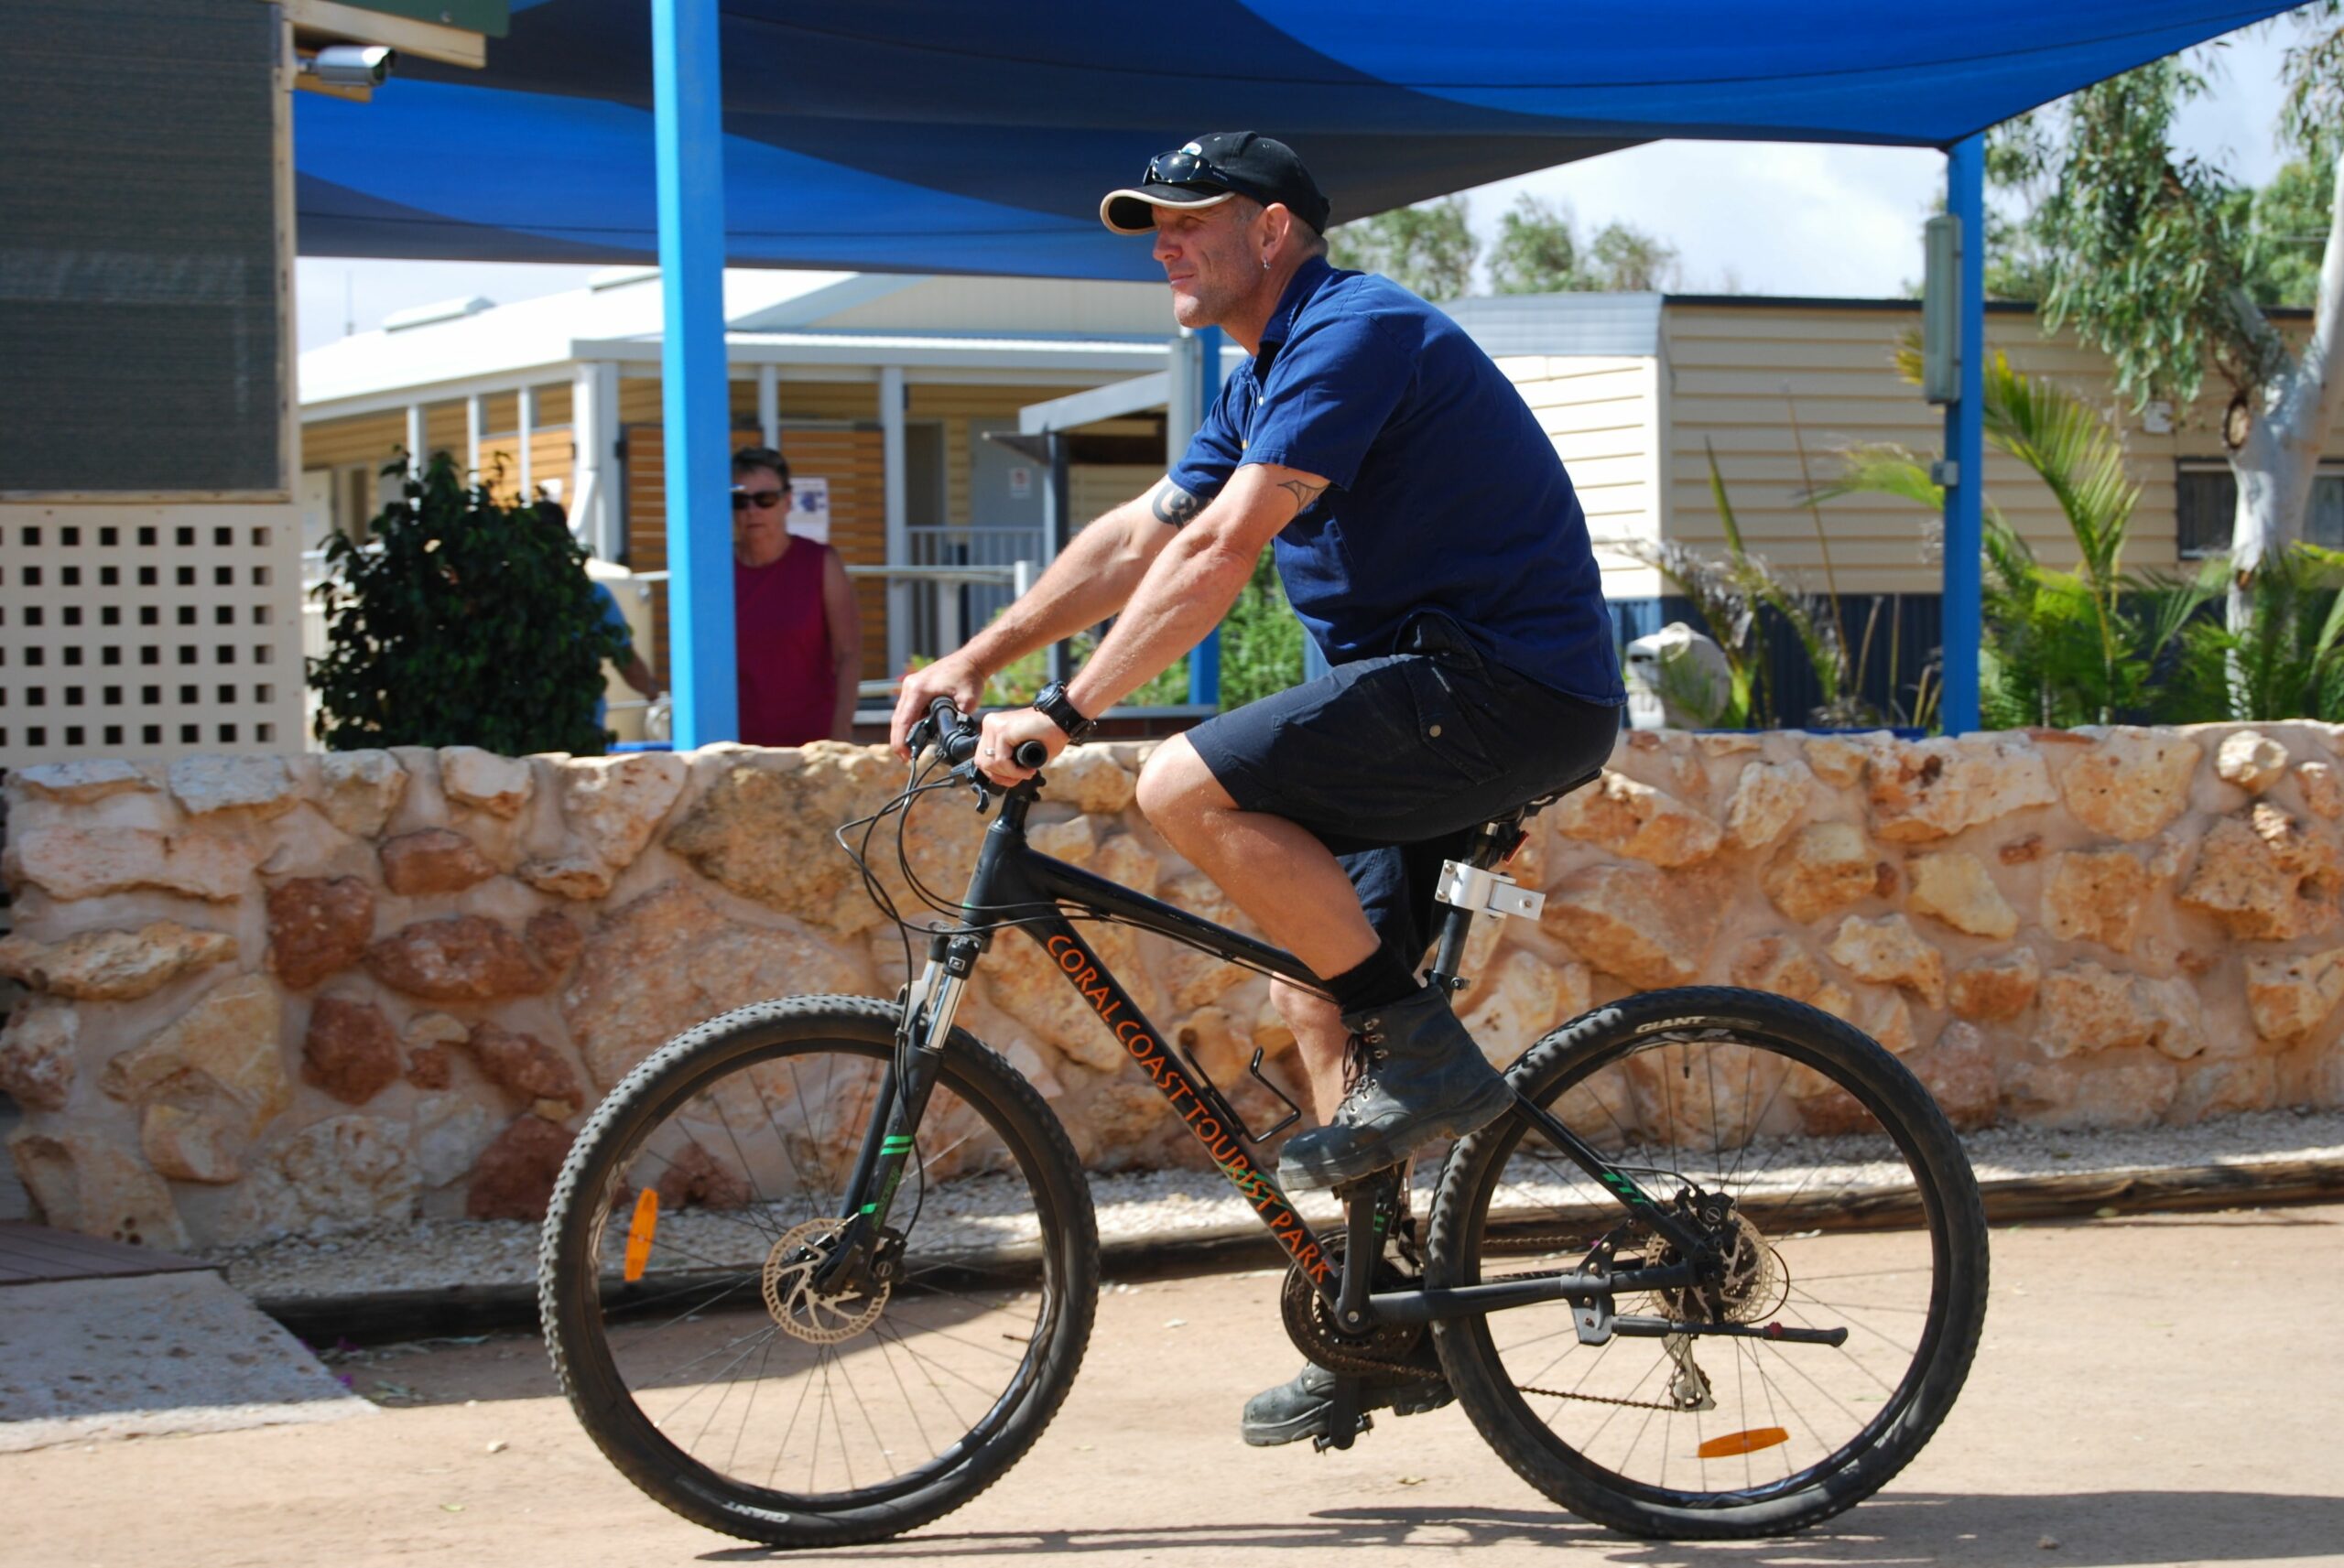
x=934 y=135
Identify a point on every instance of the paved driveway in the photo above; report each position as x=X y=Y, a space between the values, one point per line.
x=2153 y=1389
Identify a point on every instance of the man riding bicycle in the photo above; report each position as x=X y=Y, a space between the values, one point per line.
x=1428 y=537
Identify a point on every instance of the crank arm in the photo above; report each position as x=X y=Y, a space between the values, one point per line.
x=1661 y=1328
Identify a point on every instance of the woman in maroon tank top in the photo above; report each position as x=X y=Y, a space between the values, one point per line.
x=796 y=636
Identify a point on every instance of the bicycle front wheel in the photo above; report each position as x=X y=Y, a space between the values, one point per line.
x=676 y=1279
x=1839 y=1199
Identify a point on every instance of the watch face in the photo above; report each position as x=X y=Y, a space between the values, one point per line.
x=1053 y=702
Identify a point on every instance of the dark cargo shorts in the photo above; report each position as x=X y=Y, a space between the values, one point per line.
x=1394 y=762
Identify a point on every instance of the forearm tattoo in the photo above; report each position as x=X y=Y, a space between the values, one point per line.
x=1303 y=495
x=1174 y=505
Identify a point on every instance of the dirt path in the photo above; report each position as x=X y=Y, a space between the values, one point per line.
x=2153 y=1389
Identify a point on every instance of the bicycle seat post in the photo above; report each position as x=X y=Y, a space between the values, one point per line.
x=1497 y=840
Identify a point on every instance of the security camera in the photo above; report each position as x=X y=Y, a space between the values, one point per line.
x=352 y=65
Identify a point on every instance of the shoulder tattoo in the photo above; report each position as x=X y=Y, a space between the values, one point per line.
x=1174 y=505
x=1303 y=495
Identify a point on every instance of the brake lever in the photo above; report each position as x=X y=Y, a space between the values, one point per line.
x=967 y=773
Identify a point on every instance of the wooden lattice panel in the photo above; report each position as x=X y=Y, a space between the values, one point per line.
x=148 y=631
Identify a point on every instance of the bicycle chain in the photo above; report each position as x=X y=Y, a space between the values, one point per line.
x=1665 y=1408
x=1602 y=1399
x=1335 y=1357
x=1305 y=1311
x=1568 y=1394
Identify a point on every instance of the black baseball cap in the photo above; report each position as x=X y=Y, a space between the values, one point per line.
x=1209 y=170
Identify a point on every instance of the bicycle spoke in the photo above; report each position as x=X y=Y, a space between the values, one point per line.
x=804 y=1395
x=1705 y=1118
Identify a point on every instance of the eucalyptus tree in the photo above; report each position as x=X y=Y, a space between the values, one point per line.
x=2160 y=261
x=1428 y=248
x=1539 y=250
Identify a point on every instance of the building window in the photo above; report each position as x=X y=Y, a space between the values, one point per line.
x=2205 y=505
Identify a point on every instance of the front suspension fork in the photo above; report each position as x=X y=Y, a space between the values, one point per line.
x=925 y=1025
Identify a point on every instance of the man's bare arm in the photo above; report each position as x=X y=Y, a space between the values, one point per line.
x=1167 y=502
x=1193 y=581
x=1090 y=581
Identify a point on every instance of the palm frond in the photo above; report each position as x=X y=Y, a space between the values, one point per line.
x=1724 y=501
x=2076 y=451
x=1881 y=467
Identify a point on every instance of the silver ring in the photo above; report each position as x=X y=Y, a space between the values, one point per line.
x=991 y=752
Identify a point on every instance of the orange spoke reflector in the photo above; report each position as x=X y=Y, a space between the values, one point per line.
x=639 y=1231
x=1735 y=1443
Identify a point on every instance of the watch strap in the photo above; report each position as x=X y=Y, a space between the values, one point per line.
x=1054 y=704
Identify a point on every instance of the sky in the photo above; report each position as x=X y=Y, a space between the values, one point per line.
x=1805 y=218
x=1758 y=217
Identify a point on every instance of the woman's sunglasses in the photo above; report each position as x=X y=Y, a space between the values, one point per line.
x=760 y=498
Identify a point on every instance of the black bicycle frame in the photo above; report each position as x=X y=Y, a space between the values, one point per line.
x=1013 y=884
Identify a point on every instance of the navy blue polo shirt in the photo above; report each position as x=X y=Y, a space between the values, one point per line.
x=1443 y=492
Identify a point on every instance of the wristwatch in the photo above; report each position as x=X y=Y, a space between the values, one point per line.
x=1064 y=714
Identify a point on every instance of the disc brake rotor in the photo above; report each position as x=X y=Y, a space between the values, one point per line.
x=801 y=1311
x=1752 y=1283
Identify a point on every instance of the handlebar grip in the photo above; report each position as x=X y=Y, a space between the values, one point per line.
x=957 y=737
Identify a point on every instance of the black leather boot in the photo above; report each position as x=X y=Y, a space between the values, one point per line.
x=1420 y=1079
x=1299 y=1408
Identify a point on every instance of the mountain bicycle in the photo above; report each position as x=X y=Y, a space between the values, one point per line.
x=821 y=1270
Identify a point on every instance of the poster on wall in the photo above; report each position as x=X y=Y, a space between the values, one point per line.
x=810 y=509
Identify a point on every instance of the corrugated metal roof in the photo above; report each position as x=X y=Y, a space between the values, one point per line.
x=1621 y=324
x=761 y=305
x=525 y=333
x=826 y=348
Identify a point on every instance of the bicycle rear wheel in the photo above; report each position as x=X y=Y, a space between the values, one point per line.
x=676 y=1279
x=1852 y=1206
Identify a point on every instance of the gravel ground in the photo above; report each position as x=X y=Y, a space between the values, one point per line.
x=1163 y=1206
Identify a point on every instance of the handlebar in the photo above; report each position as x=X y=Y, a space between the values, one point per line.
x=957 y=736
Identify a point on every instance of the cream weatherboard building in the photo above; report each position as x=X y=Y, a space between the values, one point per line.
x=888 y=387
x=154 y=631
x=884 y=388
x=1639 y=391
x=157 y=632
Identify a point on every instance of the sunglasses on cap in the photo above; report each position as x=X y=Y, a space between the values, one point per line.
x=760 y=498
x=1185 y=167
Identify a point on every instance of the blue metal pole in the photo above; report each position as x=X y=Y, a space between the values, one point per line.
x=1204 y=660
x=689 y=125
x=1963 y=613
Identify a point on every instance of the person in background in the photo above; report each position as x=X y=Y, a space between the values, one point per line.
x=631 y=669
x=798 y=637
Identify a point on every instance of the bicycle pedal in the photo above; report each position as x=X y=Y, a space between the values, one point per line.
x=1371 y=1186
x=1325 y=1440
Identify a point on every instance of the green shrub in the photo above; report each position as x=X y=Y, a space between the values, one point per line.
x=1261 y=654
x=2286 y=661
x=2060 y=648
x=1019 y=682
x=460 y=622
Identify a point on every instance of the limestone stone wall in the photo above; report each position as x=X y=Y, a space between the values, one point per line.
x=293 y=995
